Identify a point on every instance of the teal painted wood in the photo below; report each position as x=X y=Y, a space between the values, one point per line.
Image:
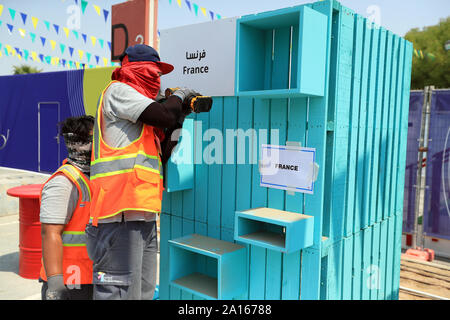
x=382 y=259
x=366 y=251
x=352 y=217
x=362 y=158
x=390 y=258
x=357 y=262
x=200 y=169
x=164 y=256
x=314 y=205
x=375 y=274
x=347 y=272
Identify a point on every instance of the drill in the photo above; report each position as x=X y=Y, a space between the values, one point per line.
x=197 y=103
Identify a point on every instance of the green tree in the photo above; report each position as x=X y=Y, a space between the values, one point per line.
x=24 y=69
x=431 y=65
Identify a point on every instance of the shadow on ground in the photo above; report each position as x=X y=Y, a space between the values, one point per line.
x=10 y=262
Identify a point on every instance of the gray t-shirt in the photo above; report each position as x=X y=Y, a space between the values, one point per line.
x=59 y=200
x=122 y=106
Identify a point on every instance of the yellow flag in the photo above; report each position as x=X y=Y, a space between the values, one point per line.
x=105 y=61
x=1 y=9
x=66 y=30
x=53 y=43
x=77 y=64
x=93 y=39
x=35 y=21
x=0 y=54
x=97 y=8
x=56 y=60
x=179 y=3
x=203 y=11
x=81 y=53
x=22 y=32
x=34 y=55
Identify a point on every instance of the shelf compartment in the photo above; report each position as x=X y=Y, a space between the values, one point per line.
x=274 y=229
x=208 y=267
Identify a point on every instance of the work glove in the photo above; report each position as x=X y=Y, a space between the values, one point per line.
x=56 y=289
x=160 y=96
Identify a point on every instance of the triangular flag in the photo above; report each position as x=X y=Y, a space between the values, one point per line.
x=18 y=51
x=32 y=36
x=203 y=11
x=56 y=28
x=0 y=22
x=105 y=14
x=77 y=64
x=84 y=37
x=71 y=51
x=188 y=3
x=62 y=47
x=83 y=5
x=97 y=58
x=24 y=19
x=34 y=20
x=97 y=9
x=12 y=13
x=218 y=16
x=75 y=33
x=22 y=32
x=43 y=41
x=41 y=56
x=109 y=44
x=80 y=53
x=76 y=1
x=53 y=44
x=66 y=31
x=101 y=42
x=105 y=61
x=10 y=28
x=26 y=53
x=93 y=39
x=63 y=62
x=6 y=51
x=1 y=9
x=88 y=56
x=34 y=55
x=47 y=25
x=56 y=60
x=179 y=3
x=195 y=8
x=48 y=59
x=211 y=14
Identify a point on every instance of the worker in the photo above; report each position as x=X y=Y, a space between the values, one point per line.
x=66 y=270
x=132 y=141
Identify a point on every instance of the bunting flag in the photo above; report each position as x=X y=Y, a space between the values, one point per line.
x=34 y=20
x=48 y=59
x=22 y=32
x=101 y=42
x=84 y=37
x=62 y=47
x=43 y=41
x=71 y=51
x=63 y=62
x=88 y=56
x=211 y=14
x=188 y=3
x=93 y=39
x=41 y=56
x=203 y=11
x=26 y=53
x=109 y=44
x=24 y=17
x=47 y=25
x=34 y=55
x=195 y=8
x=75 y=33
x=97 y=58
x=32 y=36
x=81 y=53
x=1 y=9
x=105 y=14
x=105 y=61
x=53 y=44
x=66 y=31
x=56 y=28
x=10 y=28
x=97 y=9
x=179 y=3
x=83 y=5
x=12 y=13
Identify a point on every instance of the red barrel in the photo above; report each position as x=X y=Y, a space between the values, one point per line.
x=30 y=230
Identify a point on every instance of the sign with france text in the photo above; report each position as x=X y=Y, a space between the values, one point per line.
x=203 y=56
x=289 y=168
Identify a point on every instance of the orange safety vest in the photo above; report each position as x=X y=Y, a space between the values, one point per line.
x=127 y=178
x=77 y=266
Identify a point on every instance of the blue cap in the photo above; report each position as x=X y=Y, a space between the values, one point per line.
x=143 y=52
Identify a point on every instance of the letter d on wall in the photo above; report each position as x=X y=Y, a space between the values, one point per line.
x=116 y=40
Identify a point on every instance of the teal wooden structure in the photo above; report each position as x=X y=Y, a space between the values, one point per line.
x=356 y=116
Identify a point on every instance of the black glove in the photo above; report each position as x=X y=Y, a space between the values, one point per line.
x=56 y=289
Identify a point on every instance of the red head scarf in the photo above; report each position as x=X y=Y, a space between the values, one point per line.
x=142 y=76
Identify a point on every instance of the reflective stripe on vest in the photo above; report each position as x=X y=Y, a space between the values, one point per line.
x=125 y=163
x=85 y=191
x=74 y=238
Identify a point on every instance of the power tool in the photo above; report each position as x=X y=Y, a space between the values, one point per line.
x=197 y=103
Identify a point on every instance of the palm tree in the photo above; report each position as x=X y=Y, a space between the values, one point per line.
x=24 y=69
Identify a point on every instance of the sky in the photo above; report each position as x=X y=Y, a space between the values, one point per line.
x=55 y=35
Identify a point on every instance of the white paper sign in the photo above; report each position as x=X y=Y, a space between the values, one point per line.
x=288 y=168
x=203 y=55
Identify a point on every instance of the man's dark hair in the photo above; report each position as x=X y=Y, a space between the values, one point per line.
x=80 y=127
